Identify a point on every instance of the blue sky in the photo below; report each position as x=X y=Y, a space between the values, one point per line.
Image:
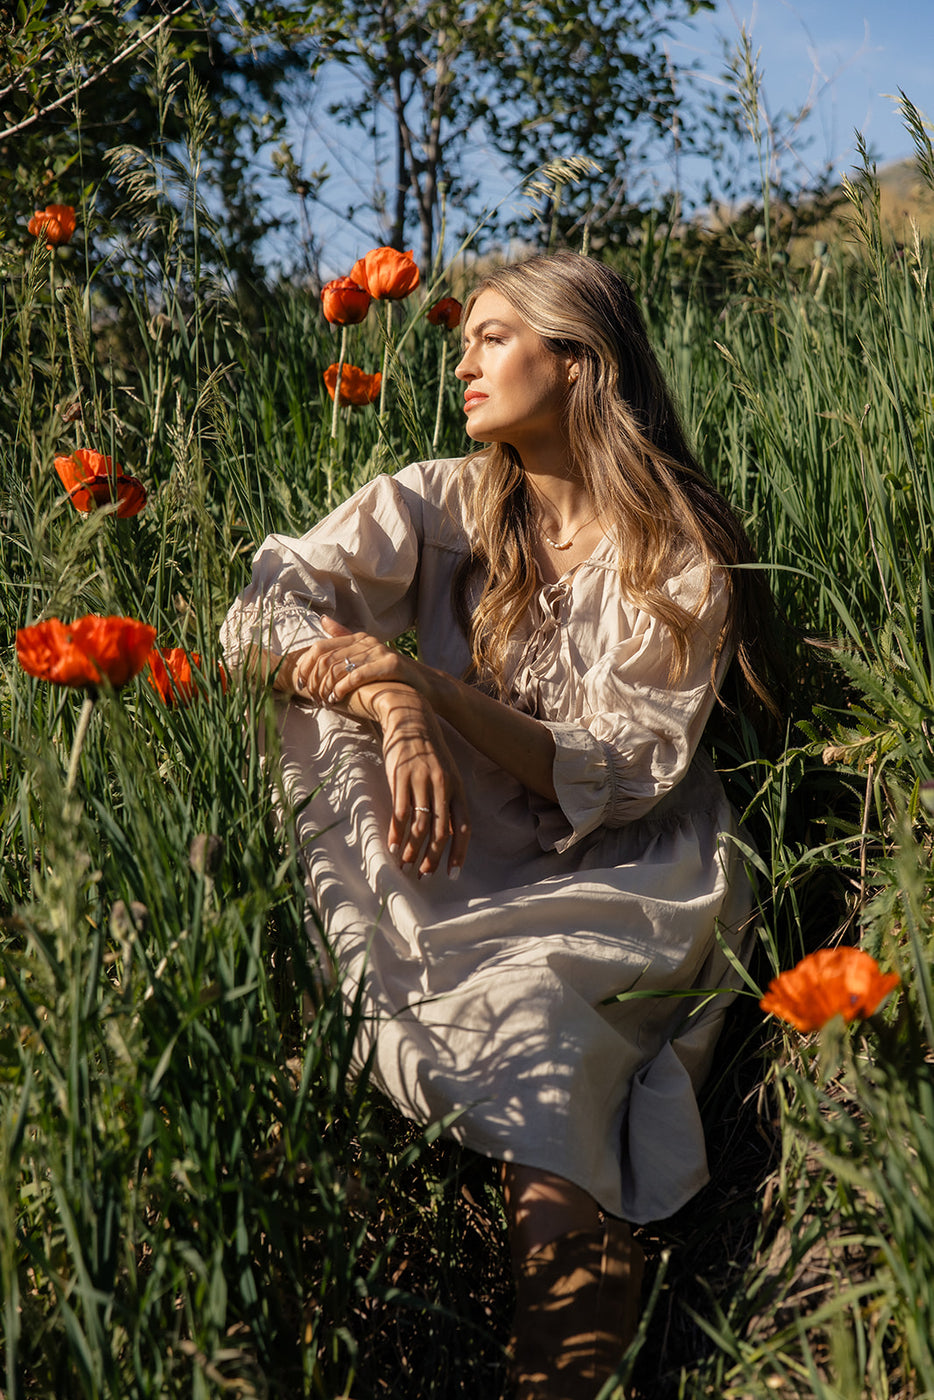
x=841 y=57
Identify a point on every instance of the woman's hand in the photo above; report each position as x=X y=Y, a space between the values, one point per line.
x=428 y=804
x=344 y=662
x=377 y=676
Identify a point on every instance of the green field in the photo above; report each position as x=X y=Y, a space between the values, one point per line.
x=195 y=1198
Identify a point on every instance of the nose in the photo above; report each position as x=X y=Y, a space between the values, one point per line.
x=464 y=369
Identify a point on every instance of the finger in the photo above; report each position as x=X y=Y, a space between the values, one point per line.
x=410 y=823
x=298 y=682
x=322 y=665
x=419 y=831
x=399 y=823
x=345 y=680
x=398 y=831
x=309 y=677
x=305 y=679
x=439 y=835
x=368 y=663
x=460 y=837
x=332 y=627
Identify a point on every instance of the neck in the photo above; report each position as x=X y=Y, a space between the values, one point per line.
x=543 y=452
x=553 y=483
x=561 y=499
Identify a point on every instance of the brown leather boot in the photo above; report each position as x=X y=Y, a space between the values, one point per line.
x=577 y=1309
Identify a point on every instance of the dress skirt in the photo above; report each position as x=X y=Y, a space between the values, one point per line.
x=552 y=1011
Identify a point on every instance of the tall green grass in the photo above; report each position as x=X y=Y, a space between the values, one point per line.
x=810 y=392
x=196 y=1197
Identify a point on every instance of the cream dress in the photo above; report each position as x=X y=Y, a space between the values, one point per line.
x=527 y=1005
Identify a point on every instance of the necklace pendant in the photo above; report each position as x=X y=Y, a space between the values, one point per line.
x=571 y=538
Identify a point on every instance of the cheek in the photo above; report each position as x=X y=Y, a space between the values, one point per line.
x=551 y=391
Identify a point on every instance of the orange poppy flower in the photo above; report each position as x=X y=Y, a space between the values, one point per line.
x=90 y=480
x=357 y=387
x=344 y=302
x=386 y=274
x=56 y=222
x=831 y=982
x=446 y=312
x=170 y=674
x=84 y=652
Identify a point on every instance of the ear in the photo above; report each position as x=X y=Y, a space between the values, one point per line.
x=574 y=370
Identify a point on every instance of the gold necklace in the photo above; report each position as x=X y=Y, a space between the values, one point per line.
x=567 y=543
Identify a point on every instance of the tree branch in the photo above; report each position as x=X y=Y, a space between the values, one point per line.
x=95 y=77
x=37 y=59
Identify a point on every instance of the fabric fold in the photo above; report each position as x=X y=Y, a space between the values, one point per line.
x=498 y=1004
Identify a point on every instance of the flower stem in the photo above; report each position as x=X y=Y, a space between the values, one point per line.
x=342 y=355
x=84 y=719
x=73 y=355
x=386 y=347
x=444 y=358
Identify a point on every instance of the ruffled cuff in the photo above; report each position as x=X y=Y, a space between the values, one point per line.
x=278 y=628
x=585 y=779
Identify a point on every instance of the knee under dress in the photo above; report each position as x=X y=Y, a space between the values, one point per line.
x=531 y=1002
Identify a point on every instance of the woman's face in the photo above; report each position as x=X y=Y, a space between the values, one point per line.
x=516 y=388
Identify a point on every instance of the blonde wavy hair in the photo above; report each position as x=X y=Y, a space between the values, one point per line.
x=627 y=444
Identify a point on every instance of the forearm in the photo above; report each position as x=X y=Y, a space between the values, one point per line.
x=429 y=810
x=520 y=744
x=373 y=701
x=354 y=665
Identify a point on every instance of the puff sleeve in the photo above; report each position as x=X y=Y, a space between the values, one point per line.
x=359 y=565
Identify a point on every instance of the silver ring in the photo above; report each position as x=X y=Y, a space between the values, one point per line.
x=349 y=665
x=422 y=809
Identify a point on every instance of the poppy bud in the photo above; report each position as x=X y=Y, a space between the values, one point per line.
x=386 y=274
x=446 y=312
x=344 y=302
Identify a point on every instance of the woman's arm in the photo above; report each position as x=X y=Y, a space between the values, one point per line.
x=428 y=804
x=516 y=742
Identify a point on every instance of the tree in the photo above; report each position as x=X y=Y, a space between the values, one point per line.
x=542 y=80
x=77 y=78
x=538 y=79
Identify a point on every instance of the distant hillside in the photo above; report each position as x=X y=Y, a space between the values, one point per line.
x=904 y=197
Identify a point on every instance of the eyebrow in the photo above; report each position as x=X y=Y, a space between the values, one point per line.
x=485 y=326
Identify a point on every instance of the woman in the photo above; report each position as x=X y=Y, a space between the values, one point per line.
x=514 y=842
